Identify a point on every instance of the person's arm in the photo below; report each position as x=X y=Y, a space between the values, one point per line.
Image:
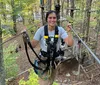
x=69 y=38
x=34 y=43
x=36 y=38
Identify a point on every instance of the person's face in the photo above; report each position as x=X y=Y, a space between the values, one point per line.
x=52 y=19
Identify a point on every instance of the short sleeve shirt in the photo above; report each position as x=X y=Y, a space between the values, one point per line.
x=39 y=36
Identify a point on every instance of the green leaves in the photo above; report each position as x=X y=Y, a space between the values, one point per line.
x=32 y=80
x=10 y=57
x=70 y=19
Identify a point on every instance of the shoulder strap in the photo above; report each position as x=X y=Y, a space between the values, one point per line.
x=56 y=35
x=46 y=34
x=45 y=31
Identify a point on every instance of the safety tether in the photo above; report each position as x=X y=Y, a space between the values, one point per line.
x=27 y=41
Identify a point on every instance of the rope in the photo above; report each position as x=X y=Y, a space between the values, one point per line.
x=11 y=38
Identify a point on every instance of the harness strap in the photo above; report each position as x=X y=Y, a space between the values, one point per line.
x=27 y=41
x=46 y=36
x=29 y=58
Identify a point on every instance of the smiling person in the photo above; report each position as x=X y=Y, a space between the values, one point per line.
x=49 y=37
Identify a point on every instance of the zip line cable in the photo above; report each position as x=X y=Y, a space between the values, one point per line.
x=11 y=38
x=95 y=57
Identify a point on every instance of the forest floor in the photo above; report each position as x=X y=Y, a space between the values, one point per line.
x=65 y=75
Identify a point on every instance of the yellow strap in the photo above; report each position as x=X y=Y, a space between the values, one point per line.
x=56 y=36
x=46 y=37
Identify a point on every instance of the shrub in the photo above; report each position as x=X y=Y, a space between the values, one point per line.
x=33 y=79
x=11 y=68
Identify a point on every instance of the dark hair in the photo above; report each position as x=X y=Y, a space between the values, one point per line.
x=49 y=12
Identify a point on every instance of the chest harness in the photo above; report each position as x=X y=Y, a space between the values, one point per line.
x=51 y=53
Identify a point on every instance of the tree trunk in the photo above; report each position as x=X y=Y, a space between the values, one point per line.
x=2 y=71
x=83 y=6
x=3 y=12
x=13 y=16
x=49 y=5
x=62 y=6
x=58 y=11
x=42 y=13
x=23 y=19
x=72 y=8
x=97 y=30
x=22 y=15
x=87 y=19
x=67 y=10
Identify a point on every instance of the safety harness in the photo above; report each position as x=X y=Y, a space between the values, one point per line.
x=51 y=53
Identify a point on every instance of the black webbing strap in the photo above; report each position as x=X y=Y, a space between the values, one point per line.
x=56 y=35
x=46 y=36
x=27 y=41
x=29 y=58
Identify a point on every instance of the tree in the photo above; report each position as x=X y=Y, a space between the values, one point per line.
x=98 y=24
x=49 y=4
x=72 y=8
x=2 y=72
x=57 y=9
x=87 y=18
x=62 y=7
x=67 y=10
x=13 y=15
x=42 y=12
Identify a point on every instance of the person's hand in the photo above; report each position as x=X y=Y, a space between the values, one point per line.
x=68 y=28
x=24 y=29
